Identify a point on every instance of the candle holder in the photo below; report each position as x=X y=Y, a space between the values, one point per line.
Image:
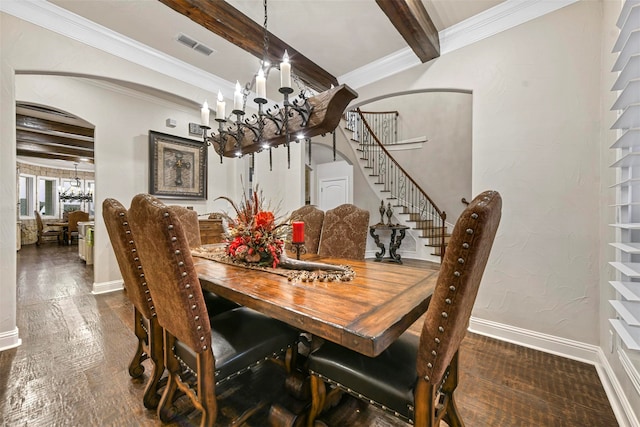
x=299 y=248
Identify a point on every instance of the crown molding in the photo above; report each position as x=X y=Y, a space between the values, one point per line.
x=502 y=17
x=68 y=24
x=379 y=69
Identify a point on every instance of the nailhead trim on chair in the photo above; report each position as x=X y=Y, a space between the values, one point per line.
x=136 y=260
x=180 y=263
x=233 y=375
x=449 y=300
x=365 y=398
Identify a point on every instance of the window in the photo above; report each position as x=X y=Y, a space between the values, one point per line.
x=27 y=195
x=90 y=188
x=47 y=196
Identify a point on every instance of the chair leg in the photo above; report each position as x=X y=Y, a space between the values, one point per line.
x=166 y=410
x=425 y=406
x=135 y=366
x=318 y=396
x=207 y=388
x=451 y=415
x=155 y=347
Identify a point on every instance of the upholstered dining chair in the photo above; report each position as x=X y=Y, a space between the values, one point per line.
x=191 y=226
x=415 y=377
x=344 y=232
x=313 y=219
x=44 y=232
x=145 y=325
x=74 y=218
x=213 y=348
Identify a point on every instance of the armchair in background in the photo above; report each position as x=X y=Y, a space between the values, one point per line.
x=45 y=232
x=72 y=229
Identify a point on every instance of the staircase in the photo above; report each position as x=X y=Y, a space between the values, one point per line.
x=372 y=132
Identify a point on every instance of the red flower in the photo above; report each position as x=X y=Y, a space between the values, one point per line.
x=264 y=220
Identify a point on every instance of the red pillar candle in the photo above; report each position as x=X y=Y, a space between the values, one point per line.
x=298 y=232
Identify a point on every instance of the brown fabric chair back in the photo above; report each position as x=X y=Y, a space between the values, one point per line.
x=171 y=276
x=121 y=237
x=74 y=218
x=344 y=232
x=39 y=223
x=462 y=268
x=190 y=224
x=313 y=219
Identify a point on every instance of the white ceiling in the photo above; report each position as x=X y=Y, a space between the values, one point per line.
x=339 y=35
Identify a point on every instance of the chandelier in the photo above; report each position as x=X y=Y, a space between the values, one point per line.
x=74 y=193
x=299 y=118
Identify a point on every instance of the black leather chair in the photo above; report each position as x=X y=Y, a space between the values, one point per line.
x=415 y=378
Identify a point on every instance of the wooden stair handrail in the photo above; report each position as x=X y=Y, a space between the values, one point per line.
x=442 y=214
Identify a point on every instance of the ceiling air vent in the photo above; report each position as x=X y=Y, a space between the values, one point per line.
x=194 y=44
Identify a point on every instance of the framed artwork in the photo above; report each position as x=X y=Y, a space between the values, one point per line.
x=177 y=167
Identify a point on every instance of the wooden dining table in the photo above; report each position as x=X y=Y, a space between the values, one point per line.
x=365 y=314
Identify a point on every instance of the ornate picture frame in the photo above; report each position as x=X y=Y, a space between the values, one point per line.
x=177 y=167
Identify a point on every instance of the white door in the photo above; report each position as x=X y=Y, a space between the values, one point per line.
x=333 y=192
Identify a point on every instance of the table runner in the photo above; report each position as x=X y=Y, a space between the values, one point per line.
x=217 y=253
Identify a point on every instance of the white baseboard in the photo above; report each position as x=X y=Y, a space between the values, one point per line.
x=570 y=349
x=538 y=341
x=105 y=287
x=9 y=340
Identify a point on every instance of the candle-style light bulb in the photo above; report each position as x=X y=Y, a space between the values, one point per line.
x=285 y=71
x=237 y=97
x=261 y=85
x=220 y=106
x=204 y=114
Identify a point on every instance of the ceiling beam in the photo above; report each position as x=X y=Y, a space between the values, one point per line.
x=74 y=159
x=48 y=149
x=38 y=124
x=53 y=140
x=413 y=22
x=226 y=21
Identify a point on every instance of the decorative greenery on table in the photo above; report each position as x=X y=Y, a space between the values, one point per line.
x=256 y=234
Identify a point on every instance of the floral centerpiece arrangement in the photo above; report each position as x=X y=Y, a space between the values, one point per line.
x=256 y=235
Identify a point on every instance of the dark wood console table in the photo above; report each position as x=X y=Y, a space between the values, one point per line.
x=394 y=242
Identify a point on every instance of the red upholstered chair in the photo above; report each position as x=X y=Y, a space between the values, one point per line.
x=415 y=378
x=214 y=349
x=145 y=324
x=344 y=232
x=313 y=219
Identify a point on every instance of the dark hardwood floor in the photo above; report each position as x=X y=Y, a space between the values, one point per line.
x=71 y=369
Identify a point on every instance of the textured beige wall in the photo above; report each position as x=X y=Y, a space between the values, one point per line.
x=536 y=121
